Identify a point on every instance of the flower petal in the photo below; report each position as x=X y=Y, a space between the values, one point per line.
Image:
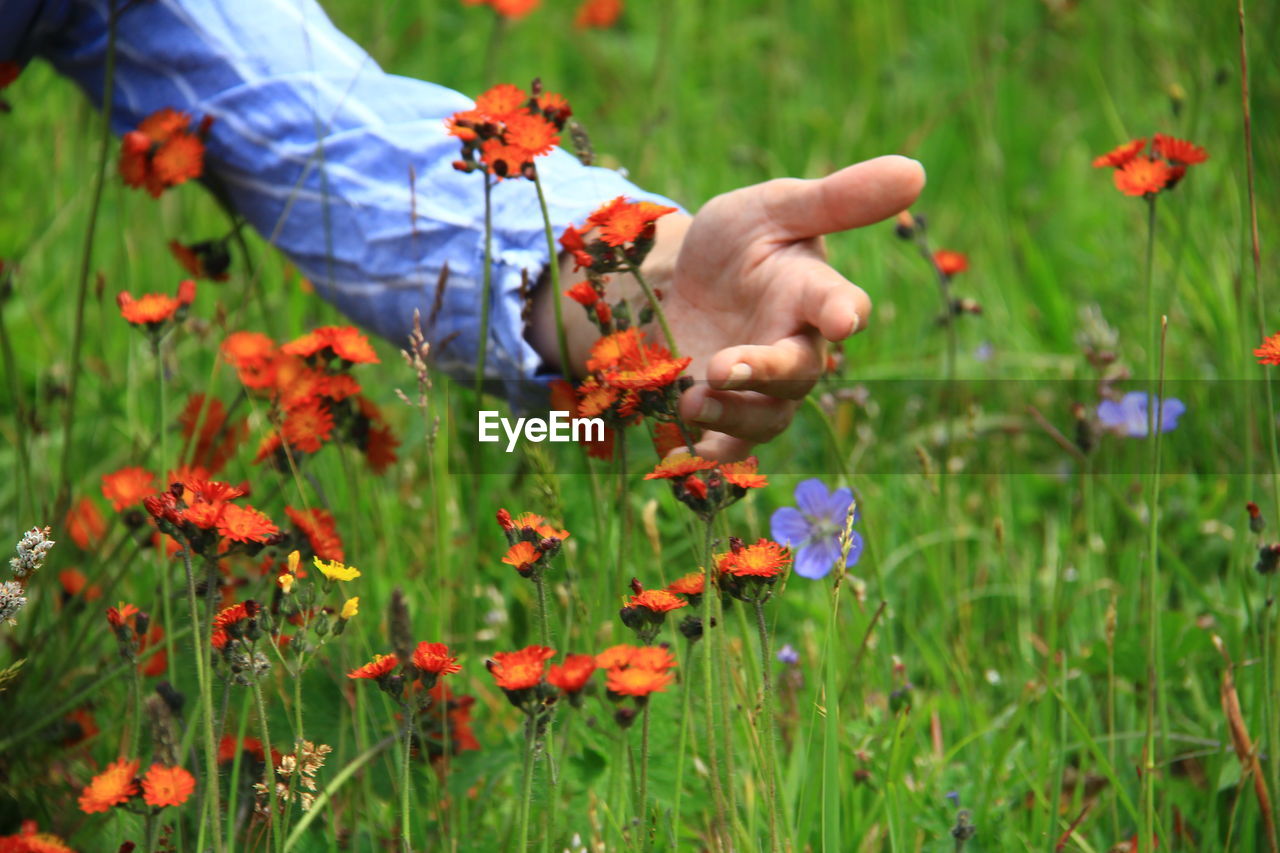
x=789 y=526
x=811 y=497
x=838 y=506
x=816 y=560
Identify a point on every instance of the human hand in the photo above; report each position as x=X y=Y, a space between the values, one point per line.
x=753 y=301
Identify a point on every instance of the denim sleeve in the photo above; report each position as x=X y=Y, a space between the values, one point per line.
x=316 y=146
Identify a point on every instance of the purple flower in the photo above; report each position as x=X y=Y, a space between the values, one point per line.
x=788 y=654
x=1129 y=415
x=814 y=526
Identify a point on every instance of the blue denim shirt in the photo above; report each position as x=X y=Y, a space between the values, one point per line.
x=316 y=144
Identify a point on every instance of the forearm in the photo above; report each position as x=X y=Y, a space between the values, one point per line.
x=658 y=270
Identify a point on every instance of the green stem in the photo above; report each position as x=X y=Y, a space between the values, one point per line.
x=86 y=262
x=166 y=582
x=767 y=729
x=269 y=770
x=719 y=830
x=831 y=766
x=199 y=641
x=657 y=310
x=544 y=622
x=685 y=693
x=405 y=779
x=149 y=830
x=19 y=416
x=1154 y=430
x=644 y=774
x=553 y=276
x=487 y=289
x=135 y=738
x=526 y=784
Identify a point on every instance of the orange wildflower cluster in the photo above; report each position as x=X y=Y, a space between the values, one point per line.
x=508 y=129
x=519 y=671
x=749 y=572
x=1139 y=174
x=320 y=532
x=201 y=512
x=532 y=542
x=707 y=487
x=167 y=786
x=573 y=675
x=127 y=487
x=316 y=398
x=164 y=151
x=379 y=667
x=950 y=262
x=136 y=636
x=162 y=786
x=419 y=675
x=513 y=9
x=155 y=310
x=1269 y=351
x=74 y=582
x=601 y=14
x=646 y=611
x=234 y=622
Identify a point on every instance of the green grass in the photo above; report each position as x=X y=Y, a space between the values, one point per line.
x=996 y=596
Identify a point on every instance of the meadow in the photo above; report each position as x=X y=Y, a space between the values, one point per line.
x=1059 y=632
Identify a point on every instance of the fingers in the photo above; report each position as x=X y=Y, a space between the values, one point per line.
x=832 y=304
x=857 y=195
x=748 y=416
x=787 y=369
x=719 y=447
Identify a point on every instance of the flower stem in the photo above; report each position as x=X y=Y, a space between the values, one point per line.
x=721 y=826
x=1155 y=406
x=86 y=261
x=526 y=784
x=657 y=310
x=644 y=773
x=269 y=771
x=199 y=638
x=767 y=733
x=553 y=277
x=544 y=621
x=405 y=779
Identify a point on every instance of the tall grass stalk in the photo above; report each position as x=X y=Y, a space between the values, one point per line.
x=200 y=649
x=768 y=725
x=406 y=782
x=1152 y=632
x=269 y=771
x=831 y=780
x=553 y=278
x=526 y=781
x=710 y=589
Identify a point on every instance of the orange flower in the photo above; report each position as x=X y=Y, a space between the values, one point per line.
x=765 y=559
x=610 y=350
x=621 y=221
x=376 y=668
x=435 y=658
x=573 y=243
x=539 y=525
x=30 y=839
x=949 y=263
x=153 y=309
x=573 y=674
x=1178 y=151
x=650 y=371
x=583 y=293
x=615 y=657
x=666 y=438
x=167 y=786
x=655 y=658
x=634 y=681
x=1119 y=156
x=598 y=13
x=74 y=582
x=744 y=474
x=117 y=616
x=1142 y=176
x=163 y=152
x=501 y=102
x=694 y=583
x=657 y=601
x=380 y=448
x=502 y=159
x=245 y=524
x=520 y=670
x=532 y=134
x=308 y=426
x=679 y=465
x=321 y=532
x=513 y=9
x=85 y=523
x=127 y=487
x=1269 y=352
x=251 y=354
x=344 y=342
x=554 y=107
x=111 y=787
x=522 y=556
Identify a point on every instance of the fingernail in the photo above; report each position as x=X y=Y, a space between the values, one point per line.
x=738 y=376
x=857 y=323
x=710 y=412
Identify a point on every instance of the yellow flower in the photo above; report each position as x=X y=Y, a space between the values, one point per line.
x=294 y=559
x=336 y=571
x=286 y=582
x=350 y=608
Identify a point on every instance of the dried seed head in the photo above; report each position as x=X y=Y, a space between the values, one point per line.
x=32 y=550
